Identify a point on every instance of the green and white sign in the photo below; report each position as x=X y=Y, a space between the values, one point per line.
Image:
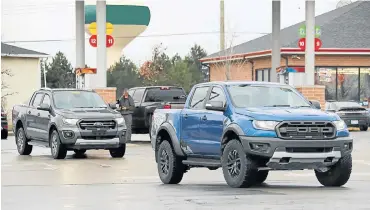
x=302 y=31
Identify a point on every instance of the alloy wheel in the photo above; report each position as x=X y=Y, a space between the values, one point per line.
x=20 y=140
x=54 y=144
x=233 y=163
x=165 y=162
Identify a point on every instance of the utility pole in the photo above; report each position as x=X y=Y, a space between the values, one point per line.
x=222 y=25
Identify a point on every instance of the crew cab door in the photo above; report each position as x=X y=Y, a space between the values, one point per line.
x=212 y=124
x=44 y=119
x=190 y=121
x=138 y=120
x=32 y=120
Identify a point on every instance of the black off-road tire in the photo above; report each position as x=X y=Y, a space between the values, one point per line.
x=364 y=127
x=338 y=175
x=79 y=151
x=118 y=152
x=170 y=167
x=22 y=142
x=246 y=174
x=58 y=150
x=4 y=134
x=261 y=176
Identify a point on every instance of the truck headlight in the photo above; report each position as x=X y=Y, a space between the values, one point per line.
x=70 y=121
x=264 y=125
x=120 y=121
x=340 y=125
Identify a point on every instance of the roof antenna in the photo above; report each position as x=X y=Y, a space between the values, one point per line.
x=342 y=3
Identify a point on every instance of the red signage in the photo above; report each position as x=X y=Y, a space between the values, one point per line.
x=94 y=41
x=318 y=44
x=302 y=44
x=109 y=41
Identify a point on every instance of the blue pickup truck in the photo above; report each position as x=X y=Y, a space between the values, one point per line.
x=249 y=129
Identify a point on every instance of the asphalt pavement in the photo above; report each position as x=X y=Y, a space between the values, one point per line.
x=97 y=182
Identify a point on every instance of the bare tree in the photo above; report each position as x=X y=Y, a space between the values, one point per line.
x=229 y=61
x=4 y=86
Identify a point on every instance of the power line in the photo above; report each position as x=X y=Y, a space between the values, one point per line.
x=141 y=36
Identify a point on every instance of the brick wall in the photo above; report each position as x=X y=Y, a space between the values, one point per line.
x=316 y=92
x=243 y=70
x=108 y=94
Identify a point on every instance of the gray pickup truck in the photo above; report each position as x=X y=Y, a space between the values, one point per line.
x=68 y=119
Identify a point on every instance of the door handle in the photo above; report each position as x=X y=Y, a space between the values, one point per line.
x=38 y=114
x=29 y=112
x=186 y=116
x=48 y=115
x=204 y=117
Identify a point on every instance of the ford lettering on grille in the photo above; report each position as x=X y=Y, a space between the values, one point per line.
x=306 y=130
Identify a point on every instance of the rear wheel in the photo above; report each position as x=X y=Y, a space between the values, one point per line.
x=79 y=151
x=239 y=170
x=338 y=174
x=4 y=134
x=22 y=142
x=58 y=150
x=364 y=127
x=118 y=152
x=170 y=167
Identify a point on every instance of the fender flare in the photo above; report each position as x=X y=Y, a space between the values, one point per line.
x=174 y=140
x=234 y=128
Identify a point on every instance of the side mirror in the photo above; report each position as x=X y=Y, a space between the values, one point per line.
x=44 y=107
x=215 y=106
x=112 y=106
x=316 y=104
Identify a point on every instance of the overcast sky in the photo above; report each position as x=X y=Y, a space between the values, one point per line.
x=38 y=20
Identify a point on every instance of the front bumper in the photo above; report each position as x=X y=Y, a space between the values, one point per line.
x=83 y=139
x=361 y=120
x=297 y=154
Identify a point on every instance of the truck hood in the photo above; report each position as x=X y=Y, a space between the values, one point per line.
x=287 y=113
x=97 y=113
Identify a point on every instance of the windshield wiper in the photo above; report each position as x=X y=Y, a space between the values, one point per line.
x=300 y=106
x=278 y=106
x=83 y=107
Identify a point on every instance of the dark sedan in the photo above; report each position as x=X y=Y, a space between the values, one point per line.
x=351 y=112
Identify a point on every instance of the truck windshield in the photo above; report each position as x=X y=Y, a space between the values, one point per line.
x=77 y=99
x=165 y=94
x=246 y=96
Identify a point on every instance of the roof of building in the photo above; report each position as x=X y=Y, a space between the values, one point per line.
x=14 y=51
x=345 y=27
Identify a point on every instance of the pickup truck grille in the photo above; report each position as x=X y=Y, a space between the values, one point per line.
x=306 y=130
x=93 y=125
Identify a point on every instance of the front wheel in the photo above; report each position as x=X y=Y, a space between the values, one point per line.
x=364 y=127
x=118 y=152
x=22 y=142
x=338 y=174
x=58 y=150
x=261 y=176
x=239 y=170
x=170 y=167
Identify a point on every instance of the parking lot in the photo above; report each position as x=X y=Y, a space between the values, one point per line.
x=100 y=182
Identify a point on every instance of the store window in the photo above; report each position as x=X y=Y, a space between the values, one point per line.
x=347 y=86
x=364 y=84
x=263 y=75
x=327 y=77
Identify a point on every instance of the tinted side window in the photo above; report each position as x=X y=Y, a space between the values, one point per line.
x=37 y=100
x=217 y=94
x=46 y=100
x=198 y=98
x=138 y=95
